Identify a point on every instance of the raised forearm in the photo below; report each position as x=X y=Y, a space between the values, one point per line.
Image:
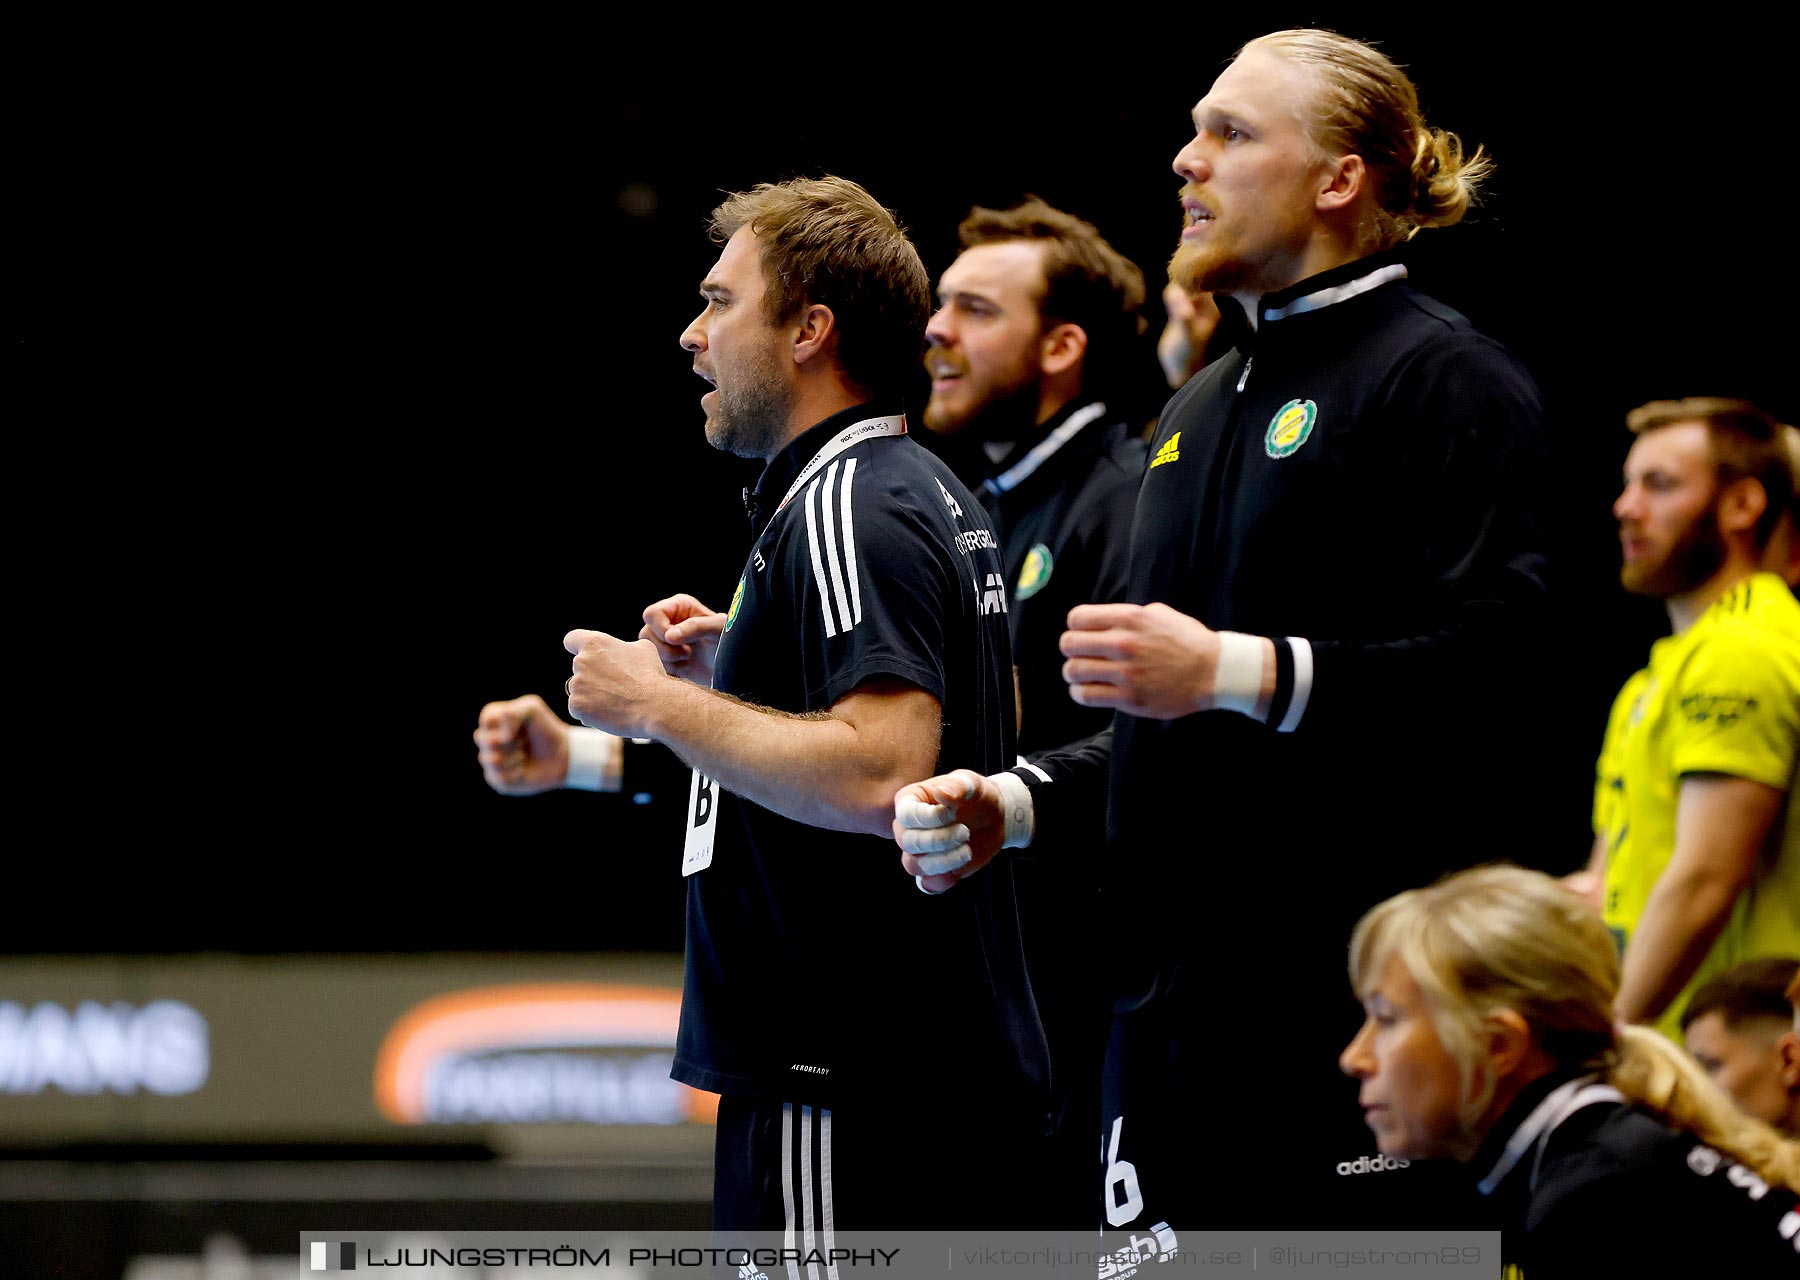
x=837 y=769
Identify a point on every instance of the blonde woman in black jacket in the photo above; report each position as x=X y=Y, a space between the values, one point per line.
x=1489 y=1039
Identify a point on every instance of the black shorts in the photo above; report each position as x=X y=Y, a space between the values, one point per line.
x=1064 y=954
x=868 y=1166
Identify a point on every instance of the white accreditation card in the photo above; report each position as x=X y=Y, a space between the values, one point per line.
x=703 y=823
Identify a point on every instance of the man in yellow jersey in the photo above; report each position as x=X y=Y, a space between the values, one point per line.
x=1697 y=848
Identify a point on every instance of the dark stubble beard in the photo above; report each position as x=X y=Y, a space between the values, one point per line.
x=751 y=418
x=1006 y=415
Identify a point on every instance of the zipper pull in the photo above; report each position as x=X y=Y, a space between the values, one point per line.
x=1245 y=375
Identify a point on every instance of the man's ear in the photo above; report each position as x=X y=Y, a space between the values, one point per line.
x=815 y=332
x=1062 y=347
x=1788 y=1050
x=1348 y=176
x=1741 y=504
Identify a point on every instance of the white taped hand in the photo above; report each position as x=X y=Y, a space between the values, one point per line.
x=933 y=835
x=938 y=846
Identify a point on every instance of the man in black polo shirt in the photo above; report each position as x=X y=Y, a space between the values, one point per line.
x=1335 y=569
x=865 y=643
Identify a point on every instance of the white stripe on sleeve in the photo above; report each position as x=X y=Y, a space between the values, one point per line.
x=850 y=546
x=831 y=551
x=812 y=543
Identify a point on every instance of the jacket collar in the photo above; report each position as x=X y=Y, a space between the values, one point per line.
x=1318 y=292
x=1329 y=288
x=1529 y=1121
x=1069 y=433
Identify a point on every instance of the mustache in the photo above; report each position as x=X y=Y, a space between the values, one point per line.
x=1191 y=192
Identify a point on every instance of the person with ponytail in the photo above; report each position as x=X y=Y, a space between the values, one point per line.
x=1330 y=659
x=1489 y=1039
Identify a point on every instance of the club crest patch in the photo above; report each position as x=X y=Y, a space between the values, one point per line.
x=1035 y=572
x=1290 y=426
x=737 y=599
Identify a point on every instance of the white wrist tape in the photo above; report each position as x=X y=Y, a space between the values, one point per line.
x=594 y=760
x=1021 y=813
x=1238 y=681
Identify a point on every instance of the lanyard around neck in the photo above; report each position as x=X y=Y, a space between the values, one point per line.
x=868 y=429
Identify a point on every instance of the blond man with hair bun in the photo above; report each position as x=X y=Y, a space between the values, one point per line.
x=1320 y=673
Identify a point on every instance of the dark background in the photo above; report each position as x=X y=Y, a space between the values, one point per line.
x=397 y=399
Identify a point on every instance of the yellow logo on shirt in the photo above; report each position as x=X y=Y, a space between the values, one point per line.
x=737 y=598
x=1170 y=451
x=1290 y=426
x=1035 y=572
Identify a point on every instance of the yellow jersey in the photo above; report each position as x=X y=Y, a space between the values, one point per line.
x=1722 y=697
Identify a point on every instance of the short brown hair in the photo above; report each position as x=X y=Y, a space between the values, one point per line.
x=1747 y=443
x=828 y=241
x=1367 y=106
x=1087 y=282
x=1754 y=989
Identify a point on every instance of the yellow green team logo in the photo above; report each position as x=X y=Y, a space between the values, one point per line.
x=1289 y=427
x=737 y=598
x=1035 y=572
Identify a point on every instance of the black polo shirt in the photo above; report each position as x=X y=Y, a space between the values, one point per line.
x=816 y=970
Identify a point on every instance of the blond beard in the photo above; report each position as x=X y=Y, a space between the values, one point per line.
x=1195 y=268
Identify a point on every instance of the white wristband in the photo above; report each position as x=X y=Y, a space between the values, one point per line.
x=1238 y=680
x=595 y=760
x=1019 y=811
